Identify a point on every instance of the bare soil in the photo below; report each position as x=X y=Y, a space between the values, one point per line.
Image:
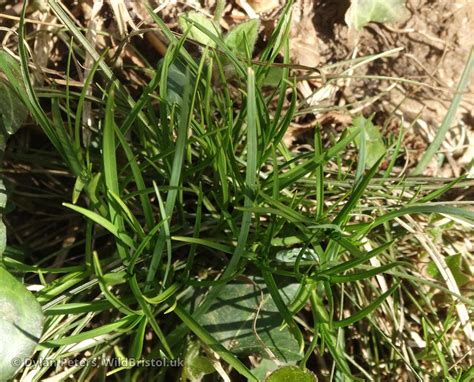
x=436 y=40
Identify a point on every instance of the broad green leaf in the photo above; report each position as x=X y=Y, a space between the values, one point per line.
x=274 y=76
x=12 y=115
x=188 y=20
x=21 y=324
x=291 y=374
x=265 y=367
x=373 y=144
x=12 y=111
x=289 y=256
x=178 y=77
x=455 y=265
x=243 y=35
x=115 y=278
x=231 y=317
x=362 y=12
x=21 y=317
x=196 y=365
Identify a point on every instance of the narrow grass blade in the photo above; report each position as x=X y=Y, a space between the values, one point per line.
x=71 y=155
x=356 y=261
x=110 y=168
x=184 y=122
x=366 y=311
x=79 y=307
x=139 y=181
x=109 y=226
x=128 y=215
x=57 y=8
x=282 y=308
x=206 y=243
x=149 y=314
x=319 y=173
x=106 y=329
x=114 y=301
x=298 y=172
x=424 y=209
x=437 y=193
x=343 y=215
x=446 y=124
x=363 y=275
x=138 y=340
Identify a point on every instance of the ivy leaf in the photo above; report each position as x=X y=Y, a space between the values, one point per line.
x=242 y=36
x=188 y=20
x=230 y=320
x=362 y=12
x=21 y=324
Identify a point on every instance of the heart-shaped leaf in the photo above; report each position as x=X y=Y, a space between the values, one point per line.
x=231 y=318
x=362 y=12
x=189 y=20
x=21 y=324
x=242 y=36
